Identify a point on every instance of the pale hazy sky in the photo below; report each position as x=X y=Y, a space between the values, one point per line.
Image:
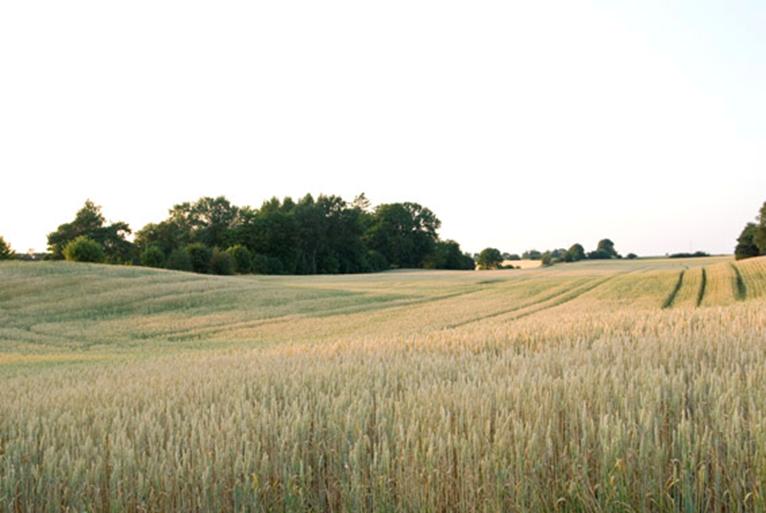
x=521 y=124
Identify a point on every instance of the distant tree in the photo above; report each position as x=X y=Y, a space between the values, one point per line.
x=490 y=258
x=604 y=251
x=89 y=222
x=759 y=236
x=575 y=253
x=376 y=262
x=511 y=256
x=83 y=249
x=447 y=255
x=243 y=258
x=532 y=254
x=632 y=256
x=404 y=233
x=746 y=245
x=6 y=253
x=547 y=259
x=209 y=221
x=152 y=256
x=222 y=263
x=200 y=257
x=167 y=235
x=180 y=260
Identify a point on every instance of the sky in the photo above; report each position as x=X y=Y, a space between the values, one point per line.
x=520 y=124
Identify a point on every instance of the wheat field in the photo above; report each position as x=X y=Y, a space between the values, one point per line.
x=617 y=386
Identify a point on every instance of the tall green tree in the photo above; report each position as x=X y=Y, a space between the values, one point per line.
x=447 y=255
x=208 y=220
x=746 y=245
x=404 y=233
x=89 y=222
x=6 y=253
x=575 y=253
x=490 y=258
x=604 y=251
x=760 y=233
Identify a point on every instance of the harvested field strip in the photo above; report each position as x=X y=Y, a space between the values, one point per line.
x=720 y=285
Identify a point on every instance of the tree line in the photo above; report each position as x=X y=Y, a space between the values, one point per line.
x=493 y=258
x=752 y=241
x=322 y=235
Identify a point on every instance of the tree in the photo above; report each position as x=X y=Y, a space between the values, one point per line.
x=153 y=256
x=575 y=253
x=632 y=256
x=6 y=253
x=242 y=257
x=547 y=259
x=604 y=251
x=759 y=237
x=404 y=233
x=200 y=256
x=180 y=260
x=746 y=244
x=490 y=258
x=222 y=263
x=208 y=220
x=532 y=254
x=447 y=255
x=89 y=222
x=83 y=249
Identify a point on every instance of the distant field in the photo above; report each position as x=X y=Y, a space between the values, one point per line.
x=597 y=386
x=523 y=264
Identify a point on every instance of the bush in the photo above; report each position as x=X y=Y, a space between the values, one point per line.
x=200 y=257
x=222 y=263
x=84 y=249
x=153 y=257
x=6 y=253
x=179 y=260
x=490 y=258
x=376 y=262
x=243 y=259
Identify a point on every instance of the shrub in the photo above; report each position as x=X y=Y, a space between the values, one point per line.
x=243 y=258
x=179 y=260
x=6 y=253
x=200 y=257
x=84 y=249
x=222 y=263
x=153 y=257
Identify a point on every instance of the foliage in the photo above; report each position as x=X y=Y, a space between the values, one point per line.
x=746 y=245
x=6 y=253
x=696 y=254
x=153 y=256
x=575 y=253
x=631 y=256
x=489 y=258
x=759 y=237
x=242 y=257
x=447 y=255
x=404 y=233
x=89 y=222
x=532 y=254
x=604 y=251
x=200 y=256
x=83 y=249
x=180 y=260
x=222 y=263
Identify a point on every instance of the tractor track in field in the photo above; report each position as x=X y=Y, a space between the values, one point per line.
x=673 y=293
x=703 y=286
x=550 y=301
x=740 y=287
x=344 y=310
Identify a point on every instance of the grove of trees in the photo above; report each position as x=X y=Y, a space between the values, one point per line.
x=309 y=236
x=752 y=241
